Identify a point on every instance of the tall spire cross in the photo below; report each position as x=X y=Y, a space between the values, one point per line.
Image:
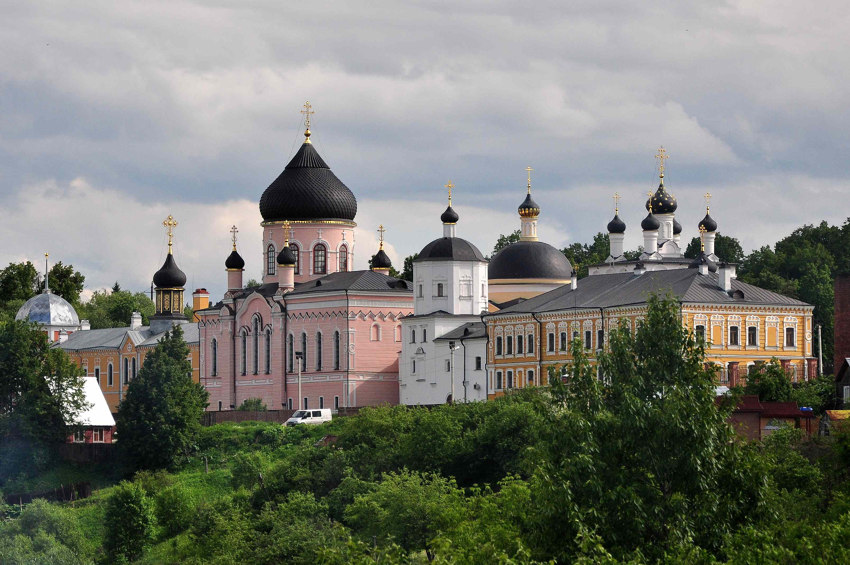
x=707 y=197
x=46 y=272
x=287 y=232
x=661 y=156
x=233 y=232
x=170 y=223
x=308 y=109
x=450 y=186
x=702 y=238
x=650 y=201
x=528 y=170
x=381 y=231
x=616 y=198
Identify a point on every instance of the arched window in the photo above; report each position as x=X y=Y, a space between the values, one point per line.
x=244 y=364
x=318 y=351
x=126 y=375
x=271 y=260
x=268 y=351
x=303 y=351
x=297 y=253
x=376 y=332
x=214 y=358
x=320 y=259
x=109 y=375
x=519 y=345
x=412 y=335
x=343 y=259
x=134 y=368
x=440 y=289
x=790 y=338
x=256 y=348
x=336 y=350
x=291 y=353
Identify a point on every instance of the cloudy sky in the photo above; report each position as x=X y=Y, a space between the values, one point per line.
x=115 y=114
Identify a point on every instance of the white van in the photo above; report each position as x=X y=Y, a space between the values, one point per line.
x=317 y=416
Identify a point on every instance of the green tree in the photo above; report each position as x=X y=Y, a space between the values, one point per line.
x=45 y=533
x=581 y=256
x=41 y=394
x=160 y=416
x=64 y=281
x=643 y=460
x=770 y=382
x=113 y=310
x=727 y=248
x=505 y=240
x=407 y=271
x=253 y=405
x=130 y=522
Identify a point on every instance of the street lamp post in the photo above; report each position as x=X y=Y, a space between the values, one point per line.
x=299 y=355
x=452 y=348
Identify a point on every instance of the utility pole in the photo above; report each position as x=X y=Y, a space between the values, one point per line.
x=820 y=352
x=298 y=356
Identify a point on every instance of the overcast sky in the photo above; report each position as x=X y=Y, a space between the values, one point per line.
x=114 y=115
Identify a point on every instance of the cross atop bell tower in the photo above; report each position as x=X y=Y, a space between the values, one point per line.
x=170 y=223
x=307 y=111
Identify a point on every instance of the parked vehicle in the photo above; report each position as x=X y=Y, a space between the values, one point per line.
x=310 y=417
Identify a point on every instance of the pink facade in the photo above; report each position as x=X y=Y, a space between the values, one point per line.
x=322 y=248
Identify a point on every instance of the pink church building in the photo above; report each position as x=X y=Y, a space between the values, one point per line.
x=315 y=333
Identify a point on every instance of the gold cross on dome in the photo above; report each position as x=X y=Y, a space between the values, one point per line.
x=381 y=231
x=650 y=201
x=308 y=109
x=662 y=154
x=450 y=186
x=702 y=238
x=287 y=232
x=707 y=197
x=233 y=232
x=170 y=223
x=616 y=198
x=528 y=170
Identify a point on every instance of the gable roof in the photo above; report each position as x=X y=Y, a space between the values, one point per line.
x=625 y=289
x=354 y=281
x=97 y=414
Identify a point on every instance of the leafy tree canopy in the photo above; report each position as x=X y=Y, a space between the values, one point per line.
x=160 y=416
x=407 y=271
x=727 y=248
x=113 y=310
x=505 y=240
x=253 y=405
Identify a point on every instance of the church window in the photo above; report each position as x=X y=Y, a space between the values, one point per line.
x=510 y=379
x=424 y=335
x=244 y=358
x=440 y=290
x=790 y=338
x=126 y=375
x=530 y=377
x=321 y=402
x=291 y=353
x=268 y=351
x=318 y=351
x=375 y=334
x=303 y=351
x=397 y=332
x=420 y=291
x=499 y=345
x=109 y=377
x=133 y=374
x=466 y=289
x=97 y=374
x=336 y=350
x=219 y=405
x=256 y=348
x=478 y=363
x=306 y=403
x=551 y=339
x=271 y=260
x=600 y=338
x=509 y=345
x=289 y=404
x=413 y=335
x=575 y=334
x=699 y=333
x=588 y=339
x=213 y=358
x=336 y=403
x=752 y=336
x=297 y=253
x=530 y=343
x=519 y=345
x=320 y=266
x=733 y=335
x=563 y=342
x=343 y=259
x=498 y=380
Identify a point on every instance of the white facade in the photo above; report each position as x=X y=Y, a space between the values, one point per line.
x=456 y=287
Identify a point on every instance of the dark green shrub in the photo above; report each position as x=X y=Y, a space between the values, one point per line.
x=130 y=521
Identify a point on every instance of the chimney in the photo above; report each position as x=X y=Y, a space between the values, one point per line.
x=640 y=268
x=574 y=280
x=136 y=320
x=84 y=325
x=63 y=336
x=703 y=268
x=200 y=301
x=724 y=277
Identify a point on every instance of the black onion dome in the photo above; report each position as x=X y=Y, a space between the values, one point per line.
x=286 y=256
x=650 y=223
x=677 y=227
x=701 y=259
x=529 y=260
x=529 y=207
x=449 y=216
x=616 y=225
x=381 y=260
x=708 y=223
x=307 y=190
x=170 y=275
x=450 y=249
x=662 y=201
x=234 y=261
